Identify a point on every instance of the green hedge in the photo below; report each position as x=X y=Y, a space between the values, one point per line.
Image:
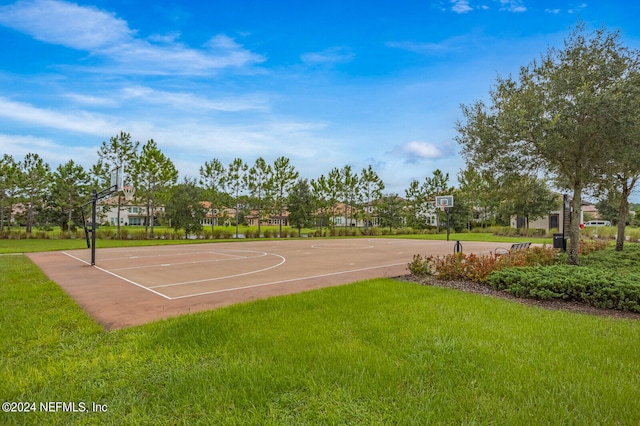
x=599 y=288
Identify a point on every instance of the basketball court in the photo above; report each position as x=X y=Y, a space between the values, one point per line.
x=135 y=285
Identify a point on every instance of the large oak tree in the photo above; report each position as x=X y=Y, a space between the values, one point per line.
x=557 y=117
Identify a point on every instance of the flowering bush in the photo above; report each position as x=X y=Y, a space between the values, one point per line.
x=461 y=266
x=590 y=246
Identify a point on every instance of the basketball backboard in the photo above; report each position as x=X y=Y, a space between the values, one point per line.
x=116 y=179
x=444 y=201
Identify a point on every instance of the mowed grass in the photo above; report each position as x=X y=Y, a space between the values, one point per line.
x=374 y=352
x=36 y=245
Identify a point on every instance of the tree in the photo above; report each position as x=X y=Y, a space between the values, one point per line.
x=371 y=187
x=527 y=197
x=623 y=173
x=389 y=209
x=119 y=153
x=284 y=177
x=557 y=117
x=461 y=213
x=625 y=183
x=10 y=182
x=321 y=193
x=433 y=186
x=69 y=190
x=183 y=207
x=301 y=205
x=212 y=176
x=260 y=185
x=153 y=174
x=235 y=182
x=37 y=178
x=417 y=208
x=608 y=208
x=480 y=191
x=350 y=192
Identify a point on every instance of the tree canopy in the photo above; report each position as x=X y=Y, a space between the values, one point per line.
x=559 y=116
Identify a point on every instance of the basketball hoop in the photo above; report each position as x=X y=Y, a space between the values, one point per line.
x=116 y=180
x=444 y=202
x=129 y=192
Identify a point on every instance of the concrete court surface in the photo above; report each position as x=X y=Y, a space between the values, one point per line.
x=134 y=285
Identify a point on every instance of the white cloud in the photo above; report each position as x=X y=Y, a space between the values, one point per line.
x=449 y=45
x=52 y=153
x=67 y=24
x=514 y=6
x=76 y=121
x=103 y=101
x=422 y=149
x=331 y=55
x=578 y=8
x=104 y=35
x=415 y=151
x=418 y=47
x=552 y=11
x=191 y=102
x=465 y=6
x=461 y=6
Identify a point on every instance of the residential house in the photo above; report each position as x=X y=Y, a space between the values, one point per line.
x=132 y=212
x=267 y=219
x=557 y=220
x=216 y=216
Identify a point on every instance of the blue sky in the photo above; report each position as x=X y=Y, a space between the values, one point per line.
x=323 y=83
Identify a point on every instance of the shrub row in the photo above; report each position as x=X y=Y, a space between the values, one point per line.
x=591 y=246
x=513 y=232
x=269 y=233
x=597 y=287
x=472 y=267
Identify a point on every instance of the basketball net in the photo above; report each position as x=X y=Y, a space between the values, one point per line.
x=129 y=192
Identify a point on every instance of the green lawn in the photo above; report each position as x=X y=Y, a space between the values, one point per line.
x=373 y=352
x=34 y=245
x=468 y=236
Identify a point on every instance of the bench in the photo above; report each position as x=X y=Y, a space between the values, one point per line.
x=514 y=247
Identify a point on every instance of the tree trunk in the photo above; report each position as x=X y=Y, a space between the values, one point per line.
x=153 y=213
x=574 y=227
x=237 y=217
x=2 y=213
x=70 y=215
x=213 y=218
x=622 y=216
x=118 y=217
x=29 y=218
x=259 y=220
x=10 y=215
x=146 y=224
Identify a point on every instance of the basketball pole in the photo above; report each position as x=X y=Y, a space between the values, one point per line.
x=94 y=207
x=95 y=196
x=446 y=210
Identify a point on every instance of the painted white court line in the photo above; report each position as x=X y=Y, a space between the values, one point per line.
x=285 y=281
x=117 y=276
x=341 y=246
x=225 y=277
x=172 y=255
x=193 y=262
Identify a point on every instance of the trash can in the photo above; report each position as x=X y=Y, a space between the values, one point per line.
x=559 y=242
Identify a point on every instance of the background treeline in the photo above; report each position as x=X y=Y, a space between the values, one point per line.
x=44 y=197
